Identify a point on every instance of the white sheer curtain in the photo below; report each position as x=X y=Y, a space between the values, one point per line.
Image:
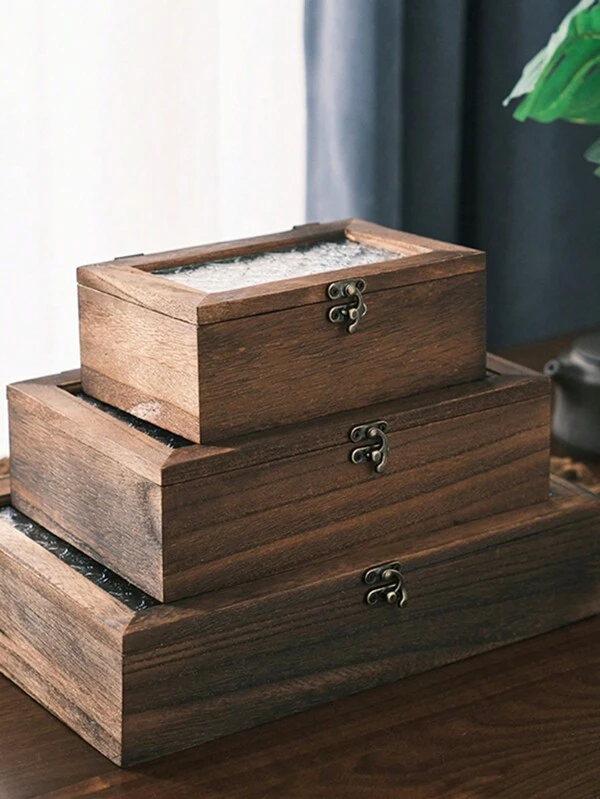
x=130 y=126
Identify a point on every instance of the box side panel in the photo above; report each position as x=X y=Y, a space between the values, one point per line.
x=100 y=506
x=141 y=361
x=272 y=517
x=65 y=654
x=208 y=675
x=188 y=463
x=284 y=367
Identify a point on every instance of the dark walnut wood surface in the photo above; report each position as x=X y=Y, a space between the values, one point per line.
x=519 y=722
x=179 y=522
x=212 y=365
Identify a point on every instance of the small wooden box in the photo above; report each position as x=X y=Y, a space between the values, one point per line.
x=179 y=519
x=138 y=680
x=248 y=349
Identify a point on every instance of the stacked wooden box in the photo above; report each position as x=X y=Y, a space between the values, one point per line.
x=284 y=474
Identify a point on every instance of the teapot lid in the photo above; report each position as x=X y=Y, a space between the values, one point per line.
x=588 y=348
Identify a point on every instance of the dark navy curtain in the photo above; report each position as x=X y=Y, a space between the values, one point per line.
x=406 y=128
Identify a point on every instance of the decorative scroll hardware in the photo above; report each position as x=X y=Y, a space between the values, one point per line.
x=353 y=311
x=378 y=448
x=394 y=592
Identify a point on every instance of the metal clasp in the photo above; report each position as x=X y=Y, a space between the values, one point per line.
x=377 y=451
x=394 y=593
x=353 y=311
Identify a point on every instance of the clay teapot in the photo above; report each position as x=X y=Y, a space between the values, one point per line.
x=576 y=407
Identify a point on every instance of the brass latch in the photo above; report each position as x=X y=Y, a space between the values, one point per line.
x=378 y=448
x=394 y=592
x=355 y=309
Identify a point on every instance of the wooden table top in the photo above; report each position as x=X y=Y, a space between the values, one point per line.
x=521 y=722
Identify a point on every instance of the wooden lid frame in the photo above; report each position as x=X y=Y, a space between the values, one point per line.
x=131 y=278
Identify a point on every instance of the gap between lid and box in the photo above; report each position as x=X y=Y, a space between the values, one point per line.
x=253 y=449
x=432 y=551
x=382 y=262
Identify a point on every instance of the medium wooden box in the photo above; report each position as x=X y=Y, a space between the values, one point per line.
x=178 y=519
x=213 y=363
x=138 y=680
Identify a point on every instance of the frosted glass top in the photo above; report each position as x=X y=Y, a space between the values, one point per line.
x=252 y=270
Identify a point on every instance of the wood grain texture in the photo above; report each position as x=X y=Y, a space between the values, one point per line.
x=423 y=259
x=300 y=235
x=279 y=515
x=146 y=360
x=518 y=721
x=187 y=463
x=267 y=355
x=318 y=642
x=91 y=498
x=522 y=720
x=180 y=522
x=61 y=638
x=295 y=293
x=123 y=282
x=377 y=235
x=208 y=666
x=299 y=366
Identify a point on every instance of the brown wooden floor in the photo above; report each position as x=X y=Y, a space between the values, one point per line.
x=521 y=722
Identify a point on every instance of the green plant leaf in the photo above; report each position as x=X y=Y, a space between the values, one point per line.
x=568 y=87
x=593 y=153
x=534 y=68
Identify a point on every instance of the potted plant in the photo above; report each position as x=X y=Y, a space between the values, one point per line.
x=563 y=82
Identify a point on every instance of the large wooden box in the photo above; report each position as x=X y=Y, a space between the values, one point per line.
x=178 y=519
x=261 y=343
x=138 y=680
